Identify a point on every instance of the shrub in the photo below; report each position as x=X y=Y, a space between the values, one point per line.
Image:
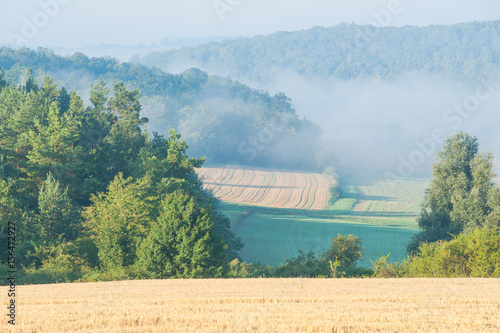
x=384 y=269
x=468 y=255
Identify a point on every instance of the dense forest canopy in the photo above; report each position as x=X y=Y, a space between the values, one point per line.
x=87 y=189
x=348 y=51
x=222 y=119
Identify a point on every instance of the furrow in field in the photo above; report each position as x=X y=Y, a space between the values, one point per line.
x=218 y=182
x=236 y=189
x=269 y=188
x=248 y=189
x=277 y=188
x=266 y=197
x=321 y=196
x=308 y=188
x=313 y=190
x=248 y=179
x=205 y=175
x=297 y=191
x=226 y=187
x=212 y=181
x=285 y=194
x=264 y=181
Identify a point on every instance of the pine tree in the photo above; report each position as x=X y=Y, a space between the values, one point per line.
x=52 y=144
x=126 y=136
x=3 y=82
x=58 y=217
x=182 y=242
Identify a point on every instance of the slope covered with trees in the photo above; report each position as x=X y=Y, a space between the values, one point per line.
x=222 y=119
x=90 y=194
x=460 y=52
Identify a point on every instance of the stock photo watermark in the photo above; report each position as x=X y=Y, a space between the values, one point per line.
x=453 y=118
x=31 y=26
x=11 y=278
x=253 y=145
x=380 y=18
x=223 y=7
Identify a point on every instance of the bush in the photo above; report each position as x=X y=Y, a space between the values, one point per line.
x=476 y=254
x=344 y=249
x=384 y=269
x=238 y=269
x=305 y=265
x=334 y=191
x=61 y=269
x=468 y=255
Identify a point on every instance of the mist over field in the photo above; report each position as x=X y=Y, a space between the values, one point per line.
x=384 y=97
x=375 y=122
x=250 y=139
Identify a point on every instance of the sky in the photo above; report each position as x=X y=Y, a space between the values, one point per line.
x=75 y=23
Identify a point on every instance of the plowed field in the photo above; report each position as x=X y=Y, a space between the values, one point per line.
x=268 y=188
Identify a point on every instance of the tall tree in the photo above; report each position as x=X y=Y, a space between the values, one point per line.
x=3 y=82
x=461 y=196
x=126 y=136
x=58 y=216
x=119 y=219
x=52 y=142
x=182 y=242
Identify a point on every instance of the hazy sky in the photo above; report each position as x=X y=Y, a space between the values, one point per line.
x=73 y=23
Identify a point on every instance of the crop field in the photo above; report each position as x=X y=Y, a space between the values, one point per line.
x=267 y=188
x=261 y=305
x=379 y=210
x=371 y=195
x=270 y=235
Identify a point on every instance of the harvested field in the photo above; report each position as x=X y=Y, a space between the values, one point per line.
x=268 y=188
x=261 y=305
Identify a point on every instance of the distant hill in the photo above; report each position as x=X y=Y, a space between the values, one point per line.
x=348 y=51
x=222 y=119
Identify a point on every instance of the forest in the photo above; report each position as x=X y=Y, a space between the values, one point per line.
x=93 y=196
x=222 y=119
x=98 y=156
x=85 y=186
x=463 y=52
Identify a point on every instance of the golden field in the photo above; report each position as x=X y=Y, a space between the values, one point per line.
x=261 y=305
x=268 y=188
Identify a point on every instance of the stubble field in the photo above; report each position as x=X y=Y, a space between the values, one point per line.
x=261 y=305
x=267 y=188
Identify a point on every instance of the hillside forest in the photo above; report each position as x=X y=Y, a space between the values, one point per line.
x=98 y=156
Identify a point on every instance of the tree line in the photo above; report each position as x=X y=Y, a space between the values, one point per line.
x=463 y=52
x=222 y=119
x=94 y=196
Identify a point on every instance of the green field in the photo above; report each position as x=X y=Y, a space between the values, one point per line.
x=380 y=211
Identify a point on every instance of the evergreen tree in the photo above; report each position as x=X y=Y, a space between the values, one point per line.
x=126 y=137
x=52 y=142
x=64 y=100
x=182 y=242
x=96 y=125
x=58 y=216
x=30 y=82
x=3 y=83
